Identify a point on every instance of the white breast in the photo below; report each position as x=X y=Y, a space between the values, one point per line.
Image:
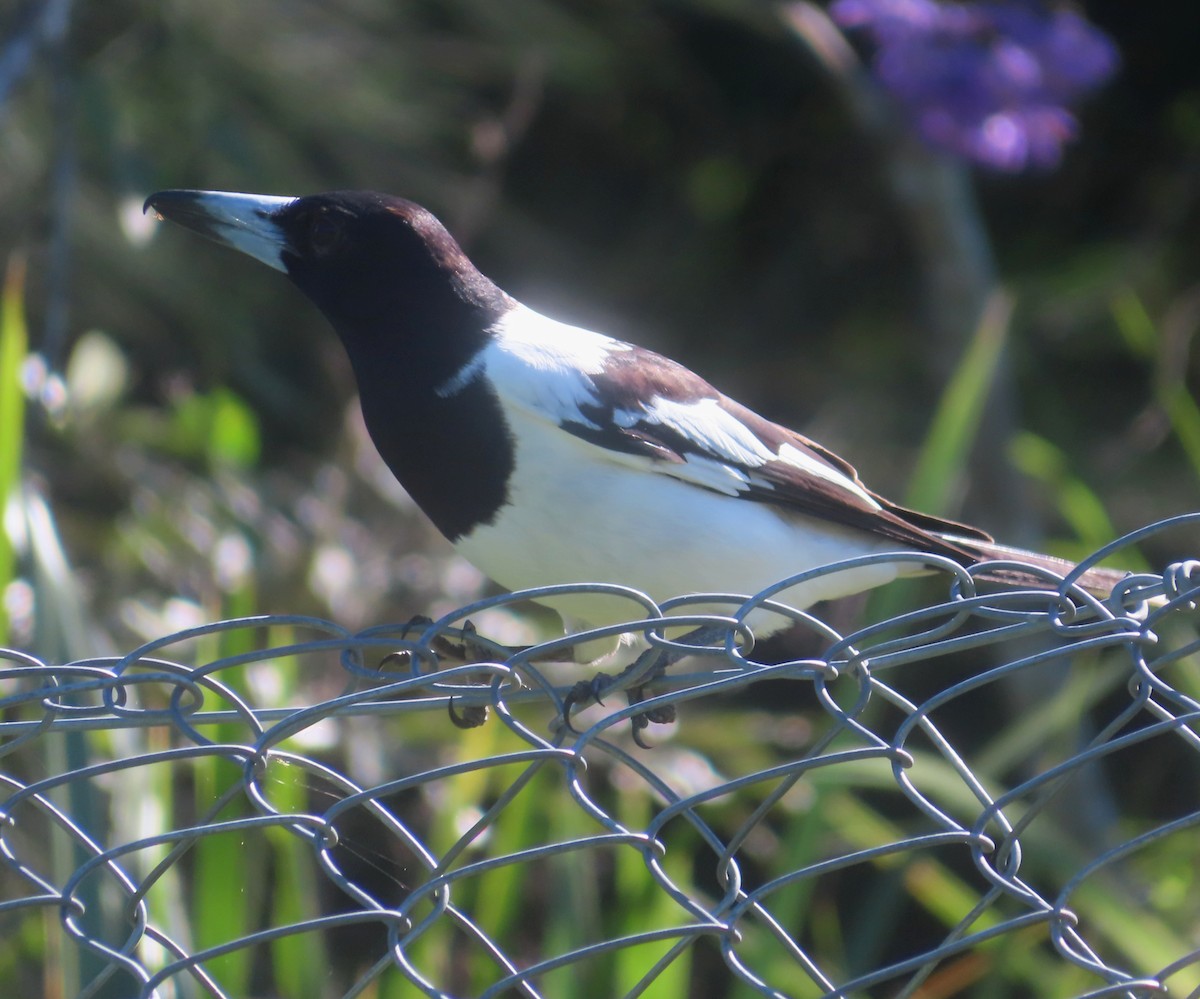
x=613 y=523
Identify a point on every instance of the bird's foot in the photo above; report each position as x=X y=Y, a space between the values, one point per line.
x=472 y=716
x=664 y=714
x=648 y=667
x=585 y=692
x=470 y=648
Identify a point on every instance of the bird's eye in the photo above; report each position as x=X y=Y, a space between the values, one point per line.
x=324 y=233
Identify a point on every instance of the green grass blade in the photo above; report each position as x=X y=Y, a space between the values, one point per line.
x=953 y=431
x=1184 y=415
x=956 y=421
x=14 y=344
x=1146 y=341
x=1077 y=503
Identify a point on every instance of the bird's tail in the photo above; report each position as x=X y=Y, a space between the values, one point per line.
x=1097 y=581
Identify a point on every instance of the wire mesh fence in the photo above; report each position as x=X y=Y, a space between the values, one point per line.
x=986 y=793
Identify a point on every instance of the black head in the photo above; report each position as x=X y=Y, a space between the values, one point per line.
x=384 y=271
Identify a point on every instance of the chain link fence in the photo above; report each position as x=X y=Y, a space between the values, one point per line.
x=982 y=794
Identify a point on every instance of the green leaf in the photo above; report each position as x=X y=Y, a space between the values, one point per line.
x=1134 y=324
x=218 y=426
x=233 y=436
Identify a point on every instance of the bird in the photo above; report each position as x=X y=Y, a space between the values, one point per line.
x=551 y=454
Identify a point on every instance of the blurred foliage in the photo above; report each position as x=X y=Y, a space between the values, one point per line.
x=687 y=174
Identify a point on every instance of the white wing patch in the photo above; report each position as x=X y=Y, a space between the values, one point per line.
x=545 y=365
x=719 y=433
x=793 y=456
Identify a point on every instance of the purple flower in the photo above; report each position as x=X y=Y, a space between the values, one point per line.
x=988 y=81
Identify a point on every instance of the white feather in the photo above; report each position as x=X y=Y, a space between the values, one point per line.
x=720 y=433
x=812 y=466
x=544 y=365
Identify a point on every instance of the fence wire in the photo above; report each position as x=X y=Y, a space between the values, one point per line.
x=987 y=793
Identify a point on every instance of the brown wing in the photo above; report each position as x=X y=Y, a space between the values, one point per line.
x=650 y=406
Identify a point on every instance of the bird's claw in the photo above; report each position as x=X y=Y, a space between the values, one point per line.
x=469 y=648
x=472 y=716
x=414 y=623
x=664 y=714
x=588 y=691
x=583 y=693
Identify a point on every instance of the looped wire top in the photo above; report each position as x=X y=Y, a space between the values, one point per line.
x=985 y=786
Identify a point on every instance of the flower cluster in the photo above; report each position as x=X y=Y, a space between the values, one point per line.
x=989 y=81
